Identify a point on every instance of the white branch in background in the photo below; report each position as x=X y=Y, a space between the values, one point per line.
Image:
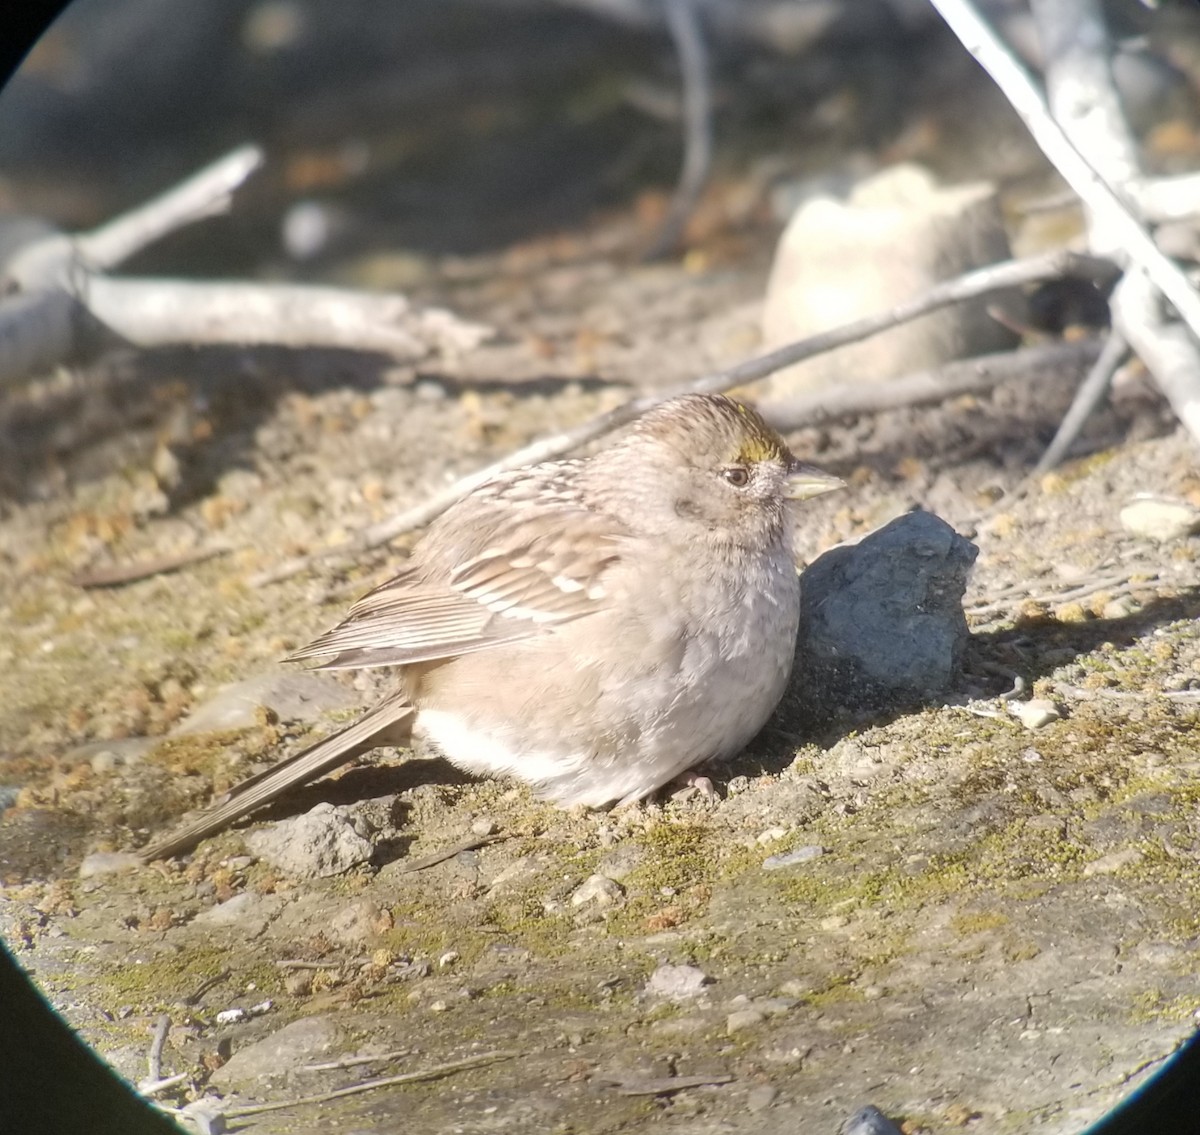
x=1046 y=362
x=1168 y=198
x=207 y=193
x=156 y=313
x=979 y=39
x=53 y=260
x=1166 y=348
x=60 y=303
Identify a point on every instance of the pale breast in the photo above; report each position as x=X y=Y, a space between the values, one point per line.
x=698 y=671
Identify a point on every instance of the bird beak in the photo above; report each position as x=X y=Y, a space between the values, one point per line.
x=807 y=481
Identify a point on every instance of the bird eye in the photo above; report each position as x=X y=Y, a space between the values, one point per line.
x=737 y=475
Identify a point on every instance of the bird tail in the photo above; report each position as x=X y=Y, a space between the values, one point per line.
x=388 y=723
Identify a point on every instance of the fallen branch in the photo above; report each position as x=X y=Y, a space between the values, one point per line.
x=983 y=281
x=436 y=857
x=61 y=305
x=1088 y=397
x=117 y=575
x=1049 y=362
x=157 y=313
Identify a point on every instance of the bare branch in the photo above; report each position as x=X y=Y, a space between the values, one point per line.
x=434 y=1073
x=1049 y=362
x=1090 y=394
x=206 y=193
x=1166 y=348
x=687 y=33
x=153 y=313
x=1101 y=199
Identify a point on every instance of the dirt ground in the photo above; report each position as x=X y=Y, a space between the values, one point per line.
x=985 y=925
x=1000 y=934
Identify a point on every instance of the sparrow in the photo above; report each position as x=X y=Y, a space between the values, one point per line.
x=594 y=627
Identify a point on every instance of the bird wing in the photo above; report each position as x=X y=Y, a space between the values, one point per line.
x=531 y=573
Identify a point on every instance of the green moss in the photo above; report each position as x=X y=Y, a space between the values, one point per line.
x=966 y=923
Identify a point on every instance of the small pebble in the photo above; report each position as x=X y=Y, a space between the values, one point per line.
x=1113 y=862
x=743 y=1019
x=771 y=835
x=869 y=1120
x=761 y=1097
x=677 y=983
x=793 y=858
x=484 y=826
x=599 y=890
x=1036 y=713
x=1159 y=519
x=737 y=785
x=108 y=863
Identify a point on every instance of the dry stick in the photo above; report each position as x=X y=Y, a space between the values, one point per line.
x=996 y=277
x=979 y=39
x=1087 y=398
x=206 y=193
x=355 y=1061
x=116 y=575
x=967 y=376
x=1166 y=348
x=434 y=1073
x=687 y=33
x=54 y=260
x=154 y=313
x=154 y=1060
x=436 y=857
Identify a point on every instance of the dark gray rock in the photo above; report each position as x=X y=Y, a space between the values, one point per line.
x=881 y=621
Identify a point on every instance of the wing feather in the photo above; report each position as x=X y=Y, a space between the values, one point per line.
x=531 y=570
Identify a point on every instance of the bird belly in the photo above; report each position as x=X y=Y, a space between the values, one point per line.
x=590 y=733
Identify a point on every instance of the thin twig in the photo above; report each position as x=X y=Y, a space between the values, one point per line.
x=115 y=575
x=687 y=33
x=299 y=963
x=982 y=281
x=1087 y=398
x=207 y=193
x=432 y=860
x=966 y=376
x=434 y=1073
x=355 y=1061
x=206 y=985
x=979 y=39
x=154 y=1060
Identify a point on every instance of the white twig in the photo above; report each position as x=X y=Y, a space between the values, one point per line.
x=1166 y=348
x=1048 y=361
x=979 y=39
x=1089 y=395
x=154 y=1061
x=154 y=313
x=206 y=193
x=434 y=1073
x=687 y=33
